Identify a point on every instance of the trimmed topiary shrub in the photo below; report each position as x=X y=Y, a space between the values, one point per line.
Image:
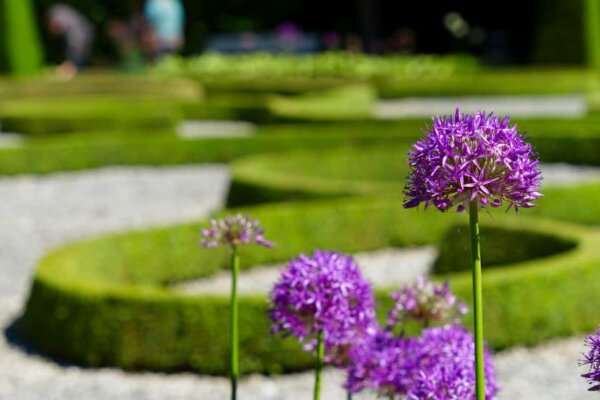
x=107 y=301
x=500 y=246
x=303 y=175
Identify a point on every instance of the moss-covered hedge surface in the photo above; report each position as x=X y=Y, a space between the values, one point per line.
x=107 y=301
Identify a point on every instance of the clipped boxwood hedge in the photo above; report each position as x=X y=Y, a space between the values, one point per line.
x=326 y=173
x=92 y=102
x=99 y=84
x=53 y=116
x=107 y=301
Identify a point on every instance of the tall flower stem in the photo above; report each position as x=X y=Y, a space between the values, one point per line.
x=319 y=365
x=235 y=266
x=477 y=300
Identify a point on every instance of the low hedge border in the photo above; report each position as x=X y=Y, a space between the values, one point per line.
x=106 y=301
x=99 y=149
x=574 y=141
x=304 y=175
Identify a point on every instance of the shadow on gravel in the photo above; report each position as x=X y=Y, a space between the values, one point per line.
x=15 y=339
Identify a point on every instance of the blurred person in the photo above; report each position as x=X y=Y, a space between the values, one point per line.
x=77 y=33
x=165 y=21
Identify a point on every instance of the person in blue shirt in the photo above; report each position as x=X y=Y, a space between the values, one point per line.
x=165 y=20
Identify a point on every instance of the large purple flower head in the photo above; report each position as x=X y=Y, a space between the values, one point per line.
x=438 y=365
x=425 y=302
x=472 y=157
x=232 y=231
x=324 y=293
x=592 y=360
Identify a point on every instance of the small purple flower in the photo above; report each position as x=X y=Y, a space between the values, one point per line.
x=426 y=303
x=323 y=293
x=233 y=231
x=472 y=157
x=592 y=359
x=438 y=365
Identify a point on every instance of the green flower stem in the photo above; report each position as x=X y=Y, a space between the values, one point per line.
x=319 y=365
x=349 y=396
x=477 y=300
x=235 y=267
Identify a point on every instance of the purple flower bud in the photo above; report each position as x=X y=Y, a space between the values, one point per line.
x=233 y=231
x=426 y=303
x=468 y=157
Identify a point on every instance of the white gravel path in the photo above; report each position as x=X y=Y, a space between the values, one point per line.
x=383 y=268
x=38 y=213
x=571 y=106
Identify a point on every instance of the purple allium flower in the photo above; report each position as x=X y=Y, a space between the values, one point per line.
x=446 y=369
x=438 y=365
x=379 y=362
x=468 y=157
x=323 y=293
x=426 y=303
x=592 y=359
x=233 y=231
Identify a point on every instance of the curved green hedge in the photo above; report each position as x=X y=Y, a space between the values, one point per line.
x=97 y=149
x=326 y=173
x=94 y=102
x=106 y=301
x=99 y=84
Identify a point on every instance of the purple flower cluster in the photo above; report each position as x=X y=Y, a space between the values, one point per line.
x=234 y=230
x=472 y=157
x=592 y=359
x=323 y=293
x=438 y=365
x=426 y=303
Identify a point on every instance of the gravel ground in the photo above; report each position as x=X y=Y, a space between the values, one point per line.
x=516 y=106
x=383 y=268
x=38 y=213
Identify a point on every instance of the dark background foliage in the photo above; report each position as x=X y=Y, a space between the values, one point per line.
x=515 y=31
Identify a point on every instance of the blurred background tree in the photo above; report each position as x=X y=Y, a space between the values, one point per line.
x=592 y=32
x=535 y=32
x=20 y=49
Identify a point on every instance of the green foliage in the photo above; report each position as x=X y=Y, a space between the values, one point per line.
x=315 y=174
x=383 y=169
x=18 y=31
x=361 y=67
x=107 y=301
x=592 y=32
x=99 y=84
x=345 y=103
x=486 y=82
x=54 y=116
x=559 y=25
x=500 y=246
x=94 y=102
